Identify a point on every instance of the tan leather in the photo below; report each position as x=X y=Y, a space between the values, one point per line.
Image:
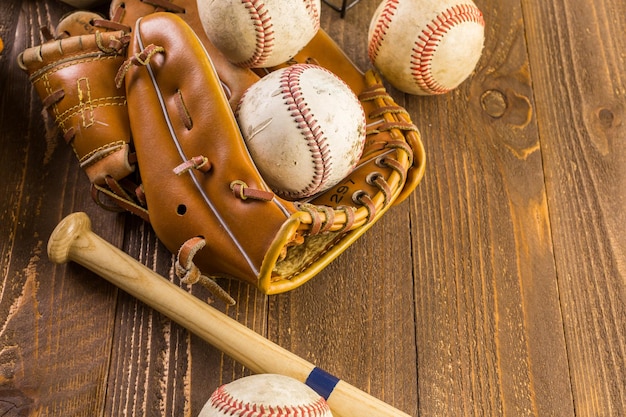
x=69 y=77
x=181 y=117
x=77 y=23
x=239 y=233
x=235 y=79
x=205 y=199
x=322 y=50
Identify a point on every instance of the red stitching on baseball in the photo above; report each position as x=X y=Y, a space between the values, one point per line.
x=224 y=402
x=264 y=30
x=306 y=122
x=380 y=30
x=426 y=45
x=314 y=13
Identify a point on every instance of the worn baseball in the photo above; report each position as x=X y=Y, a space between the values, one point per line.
x=265 y=395
x=304 y=128
x=426 y=47
x=259 y=33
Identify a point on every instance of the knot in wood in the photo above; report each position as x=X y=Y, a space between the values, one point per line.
x=607 y=117
x=494 y=103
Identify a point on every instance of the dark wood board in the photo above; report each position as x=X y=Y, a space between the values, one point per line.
x=496 y=289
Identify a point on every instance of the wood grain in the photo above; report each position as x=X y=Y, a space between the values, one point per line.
x=577 y=56
x=54 y=322
x=486 y=284
x=74 y=240
x=158 y=367
x=496 y=289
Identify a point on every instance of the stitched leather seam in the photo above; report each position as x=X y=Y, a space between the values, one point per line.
x=314 y=13
x=69 y=61
x=177 y=144
x=380 y=30
x=310 y=128
x=264 y=30
x=426 y=45
x=225 y=403
x=100 y=153
x=96 y=103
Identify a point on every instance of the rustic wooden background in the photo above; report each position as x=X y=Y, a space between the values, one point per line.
x=496 y=289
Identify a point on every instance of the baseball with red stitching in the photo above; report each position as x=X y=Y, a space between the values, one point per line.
x=304 y=128
x=259 y=33
x=426 y=47
x=265 y=395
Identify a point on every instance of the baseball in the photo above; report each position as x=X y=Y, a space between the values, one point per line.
x=259 y=33
x=426 y=47
x=265 y=395
x=304 y=129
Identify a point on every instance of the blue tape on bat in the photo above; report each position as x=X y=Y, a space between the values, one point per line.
x=322 y=382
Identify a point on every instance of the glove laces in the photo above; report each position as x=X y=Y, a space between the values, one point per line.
x=189 y=274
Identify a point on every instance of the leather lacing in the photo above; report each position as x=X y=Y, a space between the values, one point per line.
x=189 y=274
x=118 y=191
x=242 y=191
x=141 y=58
x=108 y=25
x=319 y=224
x=322 y=217
x=185 y=268
x=200 y=163
x=111 y=45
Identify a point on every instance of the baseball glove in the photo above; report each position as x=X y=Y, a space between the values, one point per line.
x=199 y=189
x=68 y=72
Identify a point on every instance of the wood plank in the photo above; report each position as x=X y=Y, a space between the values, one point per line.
x=54 y=340
x=579 y=72
x=486 y=291
x=143 y=381
x=355 y=319
x=158 y=367
x=497 y=288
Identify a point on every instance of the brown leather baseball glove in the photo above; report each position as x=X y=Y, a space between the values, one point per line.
x=203 y=195
x=71 y=73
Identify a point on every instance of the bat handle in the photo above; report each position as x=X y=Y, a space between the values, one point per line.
x=73 y=240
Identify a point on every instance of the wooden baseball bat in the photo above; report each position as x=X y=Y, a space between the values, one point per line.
x=73 y=240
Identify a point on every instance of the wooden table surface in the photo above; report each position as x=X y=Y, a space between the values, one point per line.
x=496 y=289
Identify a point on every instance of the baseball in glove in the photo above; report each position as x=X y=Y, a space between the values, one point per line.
x=199 y=189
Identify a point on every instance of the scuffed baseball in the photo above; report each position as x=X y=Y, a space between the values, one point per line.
x=304 y=128
x=426 y=47
x=265 y=395
x=259 y=33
